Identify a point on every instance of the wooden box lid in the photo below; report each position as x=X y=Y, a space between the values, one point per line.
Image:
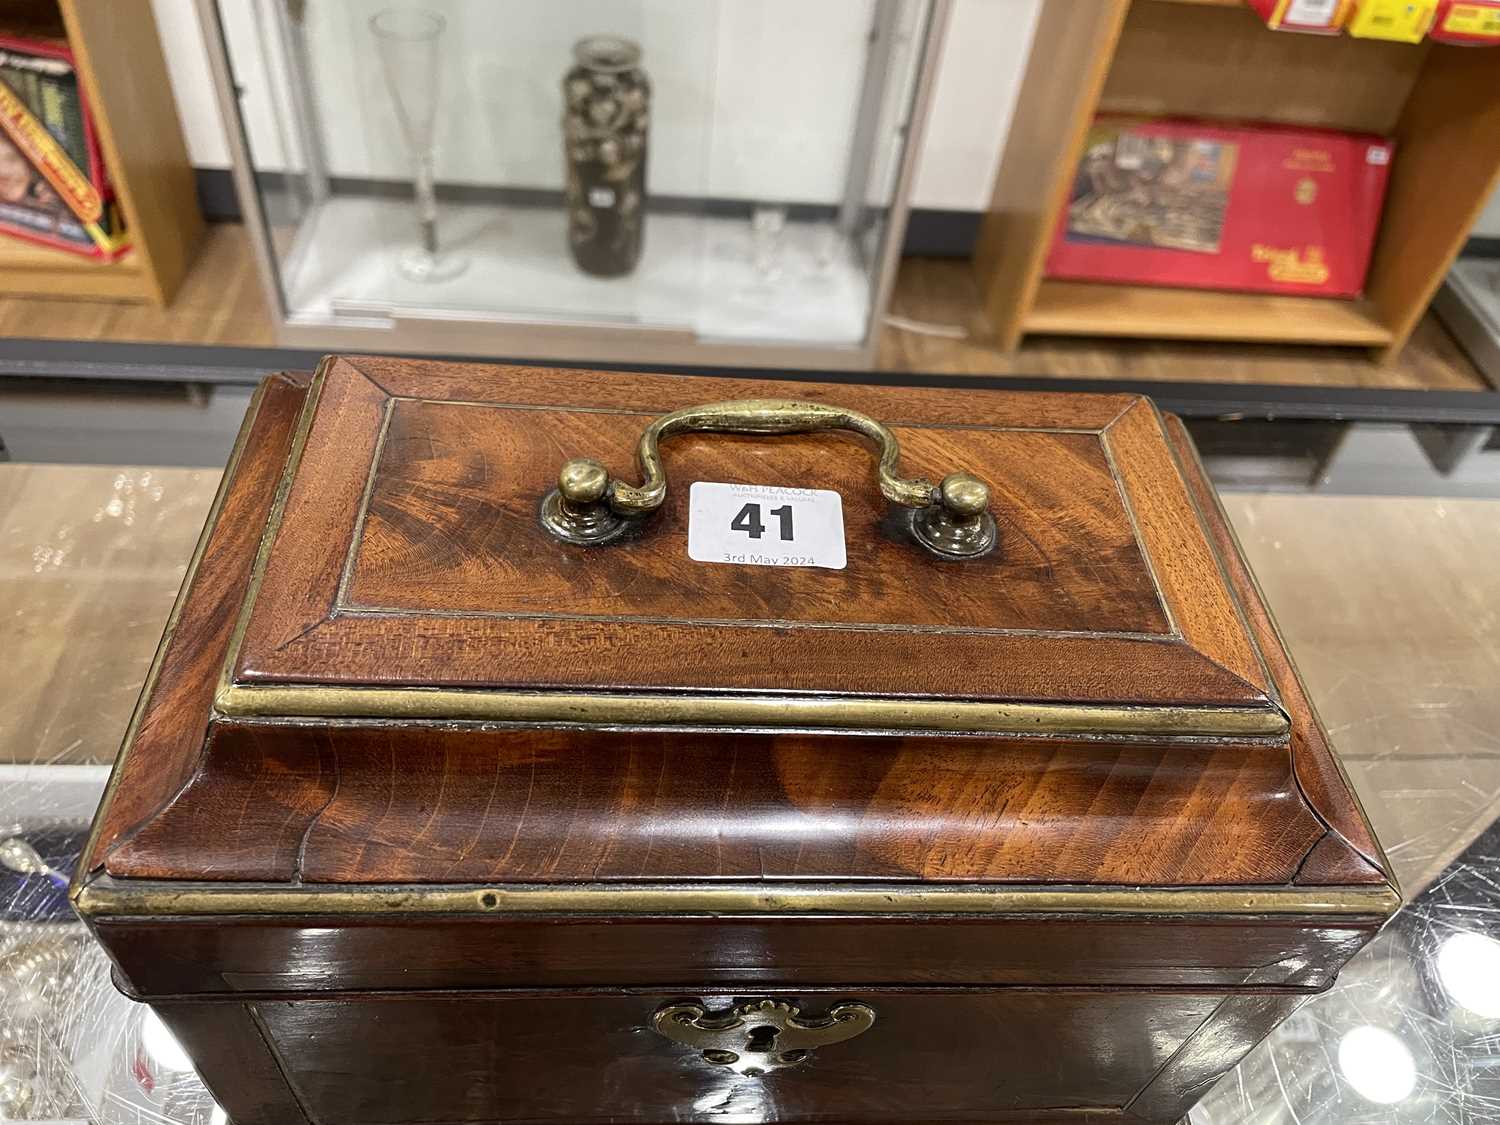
x=408 y=574
x=385 y=669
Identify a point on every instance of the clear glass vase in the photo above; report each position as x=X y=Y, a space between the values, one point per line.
x=410 y=42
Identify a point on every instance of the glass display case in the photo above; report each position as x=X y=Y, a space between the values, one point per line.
x=631 y=180
x=1469 y=304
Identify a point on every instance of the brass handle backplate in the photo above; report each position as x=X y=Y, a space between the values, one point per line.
x=590 y=507
x=760 y=1036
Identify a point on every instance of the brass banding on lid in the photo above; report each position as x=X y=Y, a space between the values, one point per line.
x=110 y=897
x=753 y=711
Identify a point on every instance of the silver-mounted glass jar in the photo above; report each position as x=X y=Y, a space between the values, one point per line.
x=606 y=99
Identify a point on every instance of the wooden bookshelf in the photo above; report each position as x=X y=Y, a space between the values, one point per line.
x=29 y=270
x=1215 y=59
x=124 y=76
x=1075 y=308
x=1210 y=3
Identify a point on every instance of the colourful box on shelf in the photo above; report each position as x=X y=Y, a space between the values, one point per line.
x=1402 y=21
x=1473 y=22
x=53 y=186
x=1246 y=207
x=1321 y=17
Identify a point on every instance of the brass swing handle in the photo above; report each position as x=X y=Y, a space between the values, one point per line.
x=591 y=507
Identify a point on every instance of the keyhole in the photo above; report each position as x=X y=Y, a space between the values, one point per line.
x=762 y=1039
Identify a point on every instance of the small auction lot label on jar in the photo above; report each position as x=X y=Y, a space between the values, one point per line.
x=765 y=525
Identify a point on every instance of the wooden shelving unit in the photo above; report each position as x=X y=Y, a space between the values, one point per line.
x=1075 y=308
x=1215 y=59
x=124 y=76
x=27 y=269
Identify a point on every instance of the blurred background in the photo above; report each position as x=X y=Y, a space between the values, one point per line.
x=924 y=190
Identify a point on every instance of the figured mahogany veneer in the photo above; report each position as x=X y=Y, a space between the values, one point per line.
x=393 y=804
x=1105 y=587
x=400 y=919
x=324 y=801
x=451 y=529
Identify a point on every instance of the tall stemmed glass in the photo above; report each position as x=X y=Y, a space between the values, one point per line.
x=410 y=40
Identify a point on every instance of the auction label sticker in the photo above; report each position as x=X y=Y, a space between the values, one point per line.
x=765 y=525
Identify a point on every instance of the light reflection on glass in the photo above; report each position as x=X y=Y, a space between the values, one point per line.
x=161 y=1045
x=1377 y=1064
x=1468 y=965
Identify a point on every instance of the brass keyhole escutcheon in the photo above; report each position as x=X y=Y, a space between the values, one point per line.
x=760 y=1036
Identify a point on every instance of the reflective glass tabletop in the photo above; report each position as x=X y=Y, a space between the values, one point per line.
x=1390 y=604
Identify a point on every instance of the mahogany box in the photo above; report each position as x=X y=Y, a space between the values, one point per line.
x=464 y=788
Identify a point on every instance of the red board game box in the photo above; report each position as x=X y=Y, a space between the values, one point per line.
x=1475 y=23
x=1255 y=208
x=53 y=185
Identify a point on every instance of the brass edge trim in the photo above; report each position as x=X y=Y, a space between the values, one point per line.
x=357 y=609
x=1234 y=537
x=122 y=898
x=317 y=701
x=231 y=467
x=273 y=520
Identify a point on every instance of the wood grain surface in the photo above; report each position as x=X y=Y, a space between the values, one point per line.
x=380 y=802
x=123 y=74
x=1046 y=132
x=1088 y=609
x=1174 y=61
x=233 y=1059
x=497 y=1016
x=220 y=301
x=315 y=954
x=1349 y=853
x=937 y=326
x=452 y=528
x=920 y=1061
x=165 y=740
x=1448 y=138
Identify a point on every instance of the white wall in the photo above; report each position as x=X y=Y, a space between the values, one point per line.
x=729 y=120
x=978 y=78
x=187 y=68
x=1488 y=225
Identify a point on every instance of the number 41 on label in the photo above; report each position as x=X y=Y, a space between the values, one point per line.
x=748 y=521
x=765 y=525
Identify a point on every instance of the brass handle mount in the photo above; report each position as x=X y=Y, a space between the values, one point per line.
x=762 y=1035
x=589 y=507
